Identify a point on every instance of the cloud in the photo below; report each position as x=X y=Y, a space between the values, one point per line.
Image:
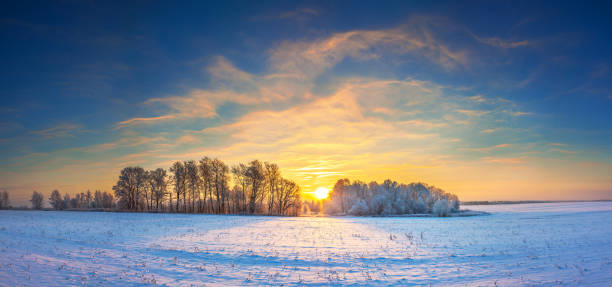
x=518 y=114
x=310 y=58
x=478 y=98
x=134 y=121
x=224 y=70
x=563 y=151
x=59 y=131
x=339 y=129
x=294 y=66
x=488 y=149
x=473 y=113
x=504 y=160
x=490 y=131
x=501 y=43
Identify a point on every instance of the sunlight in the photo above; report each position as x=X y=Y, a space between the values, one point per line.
x=321 y=193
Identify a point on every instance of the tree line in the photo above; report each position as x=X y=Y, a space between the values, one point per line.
x=388 y=198
x=83 y=200
x=204 y=187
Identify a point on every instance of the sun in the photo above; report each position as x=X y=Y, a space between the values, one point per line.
x=321 y=193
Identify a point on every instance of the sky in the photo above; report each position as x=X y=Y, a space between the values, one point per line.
x=489 y=100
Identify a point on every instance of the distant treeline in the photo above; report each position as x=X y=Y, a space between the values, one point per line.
x=389 y=198
x=525 y=201
x=83 y=200
x=204 y=187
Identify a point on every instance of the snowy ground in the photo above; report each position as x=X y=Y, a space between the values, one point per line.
x=568 y=244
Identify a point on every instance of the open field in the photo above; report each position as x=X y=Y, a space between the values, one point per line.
x=546 y=244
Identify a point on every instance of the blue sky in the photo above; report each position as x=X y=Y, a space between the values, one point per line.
x=505 y=100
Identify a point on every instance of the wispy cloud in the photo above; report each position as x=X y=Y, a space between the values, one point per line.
x=490 y=131
x=134 y=121
x=504 y=160
x=58 y=131
x=310 y=58
x=501 y=43
x=473 y=113
x=487 y=149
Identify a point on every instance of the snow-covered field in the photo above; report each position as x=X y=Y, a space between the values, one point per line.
x=567 y=244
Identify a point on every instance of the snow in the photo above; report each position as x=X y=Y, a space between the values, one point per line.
x=565 y=244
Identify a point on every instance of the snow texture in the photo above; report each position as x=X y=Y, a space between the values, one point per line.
x=567 y=244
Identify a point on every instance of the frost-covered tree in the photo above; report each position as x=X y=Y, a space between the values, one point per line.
x=388 y=198
x=442 y=208
x=359 y=207
x=37 y=200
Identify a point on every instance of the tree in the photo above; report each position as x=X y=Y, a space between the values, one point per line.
x=66 y=201
x=288 y=195
x=179 y=179
x=219 y=173
x=56 y=201
x=4 y=200
x=255 y=177
x=108 y=201
x=193 y=180
x=37 y=200
x=157 y=181
x=129 y=188
x=441 y=208
x=389 y=198
x=338 y=193
x=240 y=177
x=272 y=176
x=207 y=181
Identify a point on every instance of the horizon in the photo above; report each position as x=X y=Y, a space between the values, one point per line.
x=491 y=102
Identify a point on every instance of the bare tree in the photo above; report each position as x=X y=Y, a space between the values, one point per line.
x=220 y=174
x=255 y=177
x=272 y=177
x=240 y=177
x=193 y=181
x=4 y=200
x=288 y=195
x=56 y=201
x=37 y=200
x=179 y=179
x=207 y=181
x=157 y=181
x=201 y=187
x=129 y=187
